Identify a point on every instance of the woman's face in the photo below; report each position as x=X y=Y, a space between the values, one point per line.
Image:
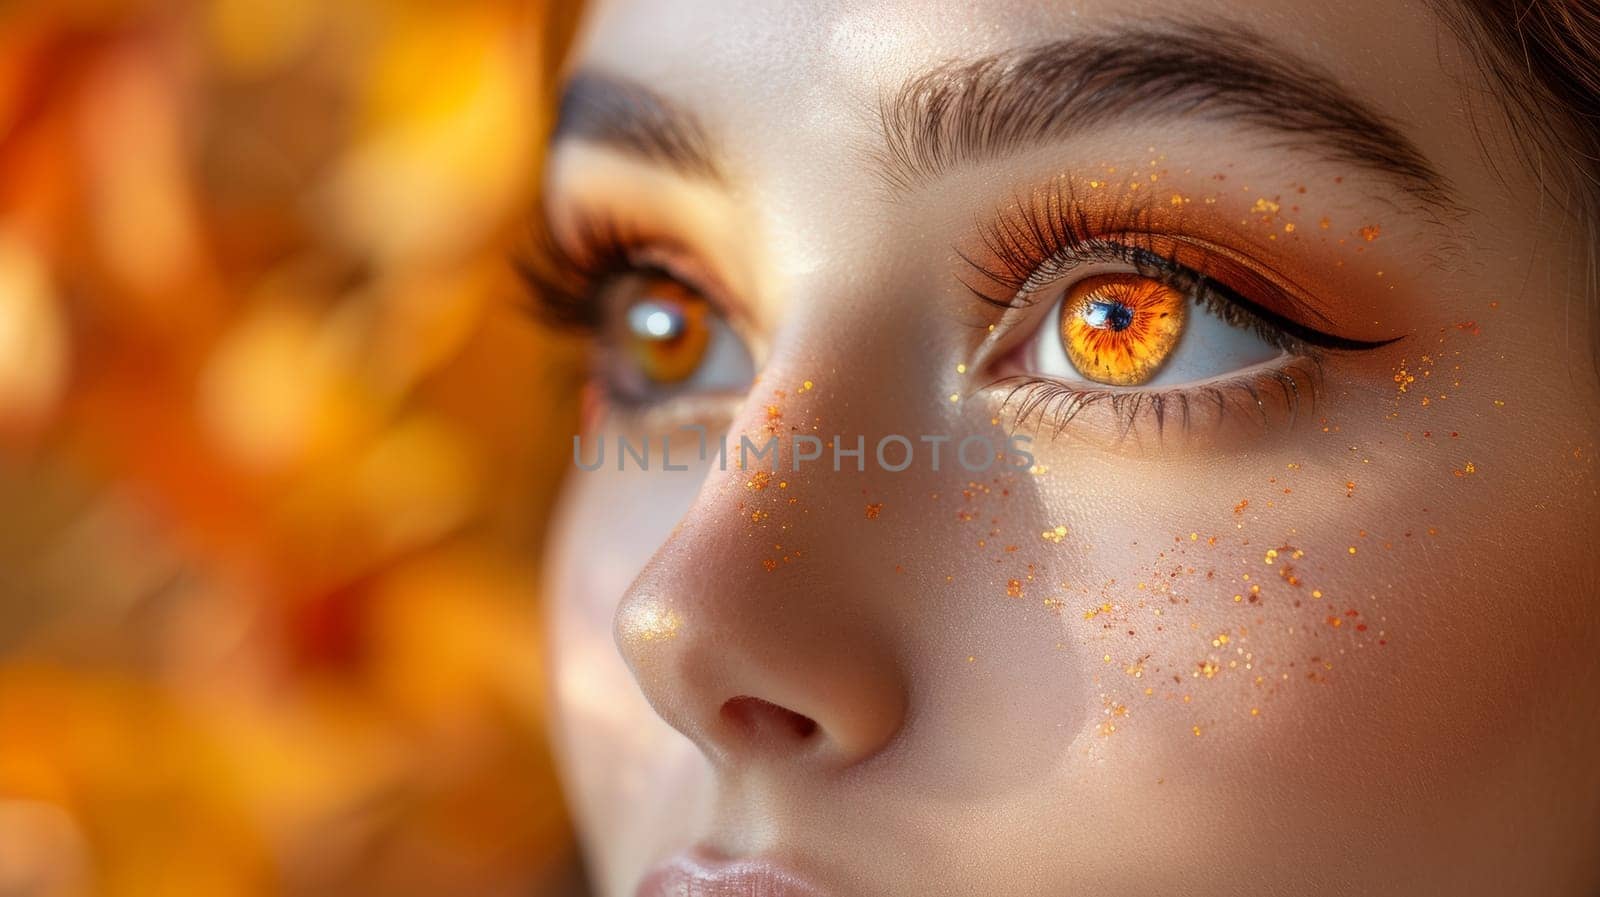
x=1297 y=592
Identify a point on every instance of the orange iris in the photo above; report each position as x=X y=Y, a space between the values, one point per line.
x=1120 y=328
x=667 y=330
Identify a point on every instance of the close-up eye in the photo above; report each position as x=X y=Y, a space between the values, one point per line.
x=661 y=339
x=1129 y=329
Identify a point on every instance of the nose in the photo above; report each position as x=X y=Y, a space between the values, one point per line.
x=759 y=650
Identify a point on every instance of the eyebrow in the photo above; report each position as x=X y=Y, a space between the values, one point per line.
x=629 y=117
x=965 y=112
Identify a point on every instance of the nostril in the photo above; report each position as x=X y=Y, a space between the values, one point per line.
x=764 y=720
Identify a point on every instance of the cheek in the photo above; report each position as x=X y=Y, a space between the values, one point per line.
x=1334 y=625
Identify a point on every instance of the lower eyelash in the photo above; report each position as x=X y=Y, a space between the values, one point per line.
x=1268 y=395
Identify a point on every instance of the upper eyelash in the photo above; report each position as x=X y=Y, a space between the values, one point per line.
x=1054 y=233
x=1046 y=228
x=563 y=283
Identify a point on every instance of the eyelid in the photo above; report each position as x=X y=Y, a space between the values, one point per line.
x=1063 y=218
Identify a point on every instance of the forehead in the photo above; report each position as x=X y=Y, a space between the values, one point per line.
x=779 y=77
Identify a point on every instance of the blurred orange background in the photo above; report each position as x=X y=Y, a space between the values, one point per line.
x=277 y=441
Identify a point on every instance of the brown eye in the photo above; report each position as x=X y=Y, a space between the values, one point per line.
x=1119 y=329
x=667 y=330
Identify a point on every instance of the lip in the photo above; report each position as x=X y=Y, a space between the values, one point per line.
x=699 y=873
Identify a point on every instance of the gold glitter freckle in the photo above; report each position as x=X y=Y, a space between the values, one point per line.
x=954 y=397
x=1272 y=555
x=758 y=480
x=649 y=622
x=1197 y=731
x=1352 y=549
x=1054 y=535
x=874 y=509
x=1288 y=228
x=1255 y=711
x=961 y=368
x=1014 y=588
x=1316 y=593
x=1371 y=232
x=773 y=413
x=1324 y=223
x=806 y=386
x=769 y=564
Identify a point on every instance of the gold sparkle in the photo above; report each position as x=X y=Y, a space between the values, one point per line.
x=648 y=621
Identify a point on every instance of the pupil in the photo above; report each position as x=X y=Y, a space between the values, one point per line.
x=1102 y=314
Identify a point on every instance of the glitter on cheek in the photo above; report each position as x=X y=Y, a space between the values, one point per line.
x=874 y=509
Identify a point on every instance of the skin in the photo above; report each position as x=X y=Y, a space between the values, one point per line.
x=1092 y=733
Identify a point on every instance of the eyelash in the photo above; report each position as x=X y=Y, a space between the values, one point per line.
x=565 y=285
x=1052 y=234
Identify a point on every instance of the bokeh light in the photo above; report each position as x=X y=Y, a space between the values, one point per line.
x=277 y=441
